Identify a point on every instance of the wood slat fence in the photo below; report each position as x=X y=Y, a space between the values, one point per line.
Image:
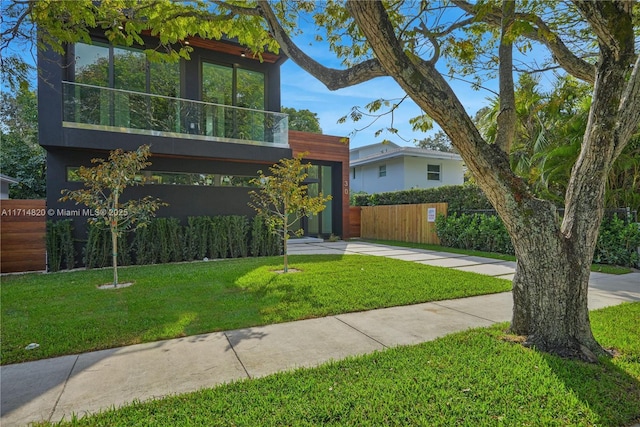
x=23 y=228
x=405 y=223
x=354 y=221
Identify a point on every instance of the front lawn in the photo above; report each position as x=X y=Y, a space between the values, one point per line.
x=65 y=314
x=472 y=378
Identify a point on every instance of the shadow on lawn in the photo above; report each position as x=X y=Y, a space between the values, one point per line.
x=612 y=393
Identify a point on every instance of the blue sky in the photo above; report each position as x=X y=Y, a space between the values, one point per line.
x=300 y=90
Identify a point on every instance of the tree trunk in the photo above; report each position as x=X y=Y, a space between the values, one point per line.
x=550 y=288
x=285 y=238
x=113 y=226
x=114 y=255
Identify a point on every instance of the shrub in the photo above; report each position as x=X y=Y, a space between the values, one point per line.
x=618 y=243
x=459 y=197
x=237 y=236
x=159 y=242
x=60 y=249
x=476 y=231
x=264 y=241
x=196 y=237
x=218 y=237
x=166 y=240
x=97 y=251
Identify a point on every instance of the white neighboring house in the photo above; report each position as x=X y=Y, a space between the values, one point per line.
x=5 y=181
x=379 y=168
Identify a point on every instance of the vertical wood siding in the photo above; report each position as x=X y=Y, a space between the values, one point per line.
x=405 y=223
x=354 y=221
x=23 y=231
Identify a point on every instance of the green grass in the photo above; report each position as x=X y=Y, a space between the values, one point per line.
x=610 y=269
x=600 y=268
x=426 y=246
x=66 y=314
x=470 y=378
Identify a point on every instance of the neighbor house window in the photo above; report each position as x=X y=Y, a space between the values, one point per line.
x=382 y=171
x=354 y=173
x=433 y=172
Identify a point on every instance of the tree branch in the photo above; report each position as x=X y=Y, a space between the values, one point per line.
x=506 y=120
x=571 y=63
x=330 y=77
x=630 y=105
x=606 y=24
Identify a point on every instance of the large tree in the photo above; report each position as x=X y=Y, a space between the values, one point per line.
x=422 y=45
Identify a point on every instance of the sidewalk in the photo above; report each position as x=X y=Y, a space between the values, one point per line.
x=55 y=388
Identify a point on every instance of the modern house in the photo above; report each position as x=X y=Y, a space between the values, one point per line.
x=378 y=168
x=212 y=122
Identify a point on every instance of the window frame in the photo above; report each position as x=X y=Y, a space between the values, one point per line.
x=439 y=172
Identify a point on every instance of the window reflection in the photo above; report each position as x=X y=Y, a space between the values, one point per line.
x=181 y=178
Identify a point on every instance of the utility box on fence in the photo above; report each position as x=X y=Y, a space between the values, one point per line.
x=404 y=223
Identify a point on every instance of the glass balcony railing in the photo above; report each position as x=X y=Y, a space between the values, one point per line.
x=101 y=108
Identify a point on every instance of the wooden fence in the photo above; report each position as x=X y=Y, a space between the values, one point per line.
x=405 y=223
x=354 y=221
x=23 y=227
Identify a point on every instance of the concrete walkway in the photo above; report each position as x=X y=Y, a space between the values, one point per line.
x=56 y=388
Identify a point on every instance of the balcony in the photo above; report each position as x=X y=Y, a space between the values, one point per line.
x=102 y=108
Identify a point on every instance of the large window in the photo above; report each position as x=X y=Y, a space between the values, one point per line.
x=128 y=70
x=181 y=178
x=227 y=85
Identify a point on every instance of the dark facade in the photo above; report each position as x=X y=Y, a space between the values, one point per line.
x=212 y=122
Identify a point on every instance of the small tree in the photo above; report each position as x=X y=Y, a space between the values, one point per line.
x=104 y=184
x=283 y=198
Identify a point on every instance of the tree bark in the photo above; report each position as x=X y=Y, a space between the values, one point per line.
x=550 y=287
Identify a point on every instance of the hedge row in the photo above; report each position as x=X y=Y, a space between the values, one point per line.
x=618 y=243
x=459 y=197
x=474 y=231
x=60 y=251
x=618 y=240
x=166 y=240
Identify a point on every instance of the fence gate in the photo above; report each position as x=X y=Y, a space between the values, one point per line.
x=404 y=223
x=23 y=227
